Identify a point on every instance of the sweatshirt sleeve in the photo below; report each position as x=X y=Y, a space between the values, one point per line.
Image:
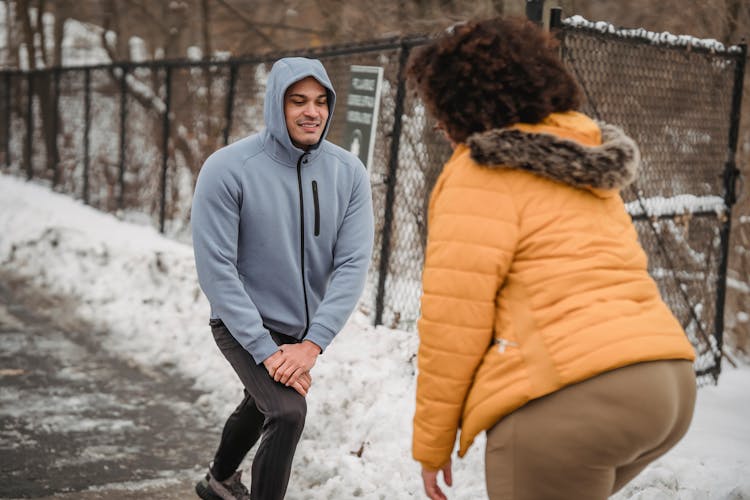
x=215 y=219
x=351 y=260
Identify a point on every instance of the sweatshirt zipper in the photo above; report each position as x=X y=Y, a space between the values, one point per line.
x=317 y=207
x=302 y=241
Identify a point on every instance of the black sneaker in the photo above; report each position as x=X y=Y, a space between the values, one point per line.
x=209 y=488
x=204 y=491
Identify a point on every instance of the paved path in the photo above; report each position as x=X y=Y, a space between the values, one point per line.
x=77 y=422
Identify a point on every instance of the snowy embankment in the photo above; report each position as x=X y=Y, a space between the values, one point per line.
x=141 y=288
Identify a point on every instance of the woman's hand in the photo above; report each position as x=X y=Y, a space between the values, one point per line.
x=429 y=478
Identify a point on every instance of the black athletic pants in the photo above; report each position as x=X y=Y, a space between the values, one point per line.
x=269 y=408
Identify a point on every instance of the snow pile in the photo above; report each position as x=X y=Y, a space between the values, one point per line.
x=356 y=443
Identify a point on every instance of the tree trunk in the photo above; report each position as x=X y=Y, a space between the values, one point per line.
x=28 y=33
x=42 y=33
x=61 y=14
x=733 y=21
x=206 y=29
x=11 y=44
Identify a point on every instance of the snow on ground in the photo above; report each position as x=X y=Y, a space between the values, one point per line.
x=142 y=288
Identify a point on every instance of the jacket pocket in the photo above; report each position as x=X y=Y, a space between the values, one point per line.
x=316 y=203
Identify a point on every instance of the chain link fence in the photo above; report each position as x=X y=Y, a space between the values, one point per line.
x=130 y=139
x=679 y=98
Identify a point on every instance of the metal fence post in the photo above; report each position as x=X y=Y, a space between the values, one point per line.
x=555 y=18
x=230 y=101
x=123 y=136
x=86 y=130
x=165 y=151
x=55 y=128
x=6 y=118
x=385 y=249
x=29 y=126
x=731 y=172
x=535 y=11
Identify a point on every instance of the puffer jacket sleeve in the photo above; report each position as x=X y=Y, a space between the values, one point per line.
x=472 y=236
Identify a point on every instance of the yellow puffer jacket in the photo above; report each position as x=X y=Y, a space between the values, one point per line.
x=533 y=279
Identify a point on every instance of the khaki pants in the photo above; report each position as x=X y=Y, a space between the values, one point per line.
x=586 y=441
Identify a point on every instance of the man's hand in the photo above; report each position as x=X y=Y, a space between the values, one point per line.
x=291 y=365
x=429 y=478
x=296 y=360
x=273 y=361
x=303 y=383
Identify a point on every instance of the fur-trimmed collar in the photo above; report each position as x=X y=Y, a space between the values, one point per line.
x=612 y=165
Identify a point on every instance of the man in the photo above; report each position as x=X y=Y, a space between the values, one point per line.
x=282 y=233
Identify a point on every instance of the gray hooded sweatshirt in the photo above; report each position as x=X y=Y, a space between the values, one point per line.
x=282 y=236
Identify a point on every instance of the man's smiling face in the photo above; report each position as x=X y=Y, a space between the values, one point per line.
x=306 y=112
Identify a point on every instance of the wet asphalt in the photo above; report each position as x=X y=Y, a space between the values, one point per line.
x=78 y=422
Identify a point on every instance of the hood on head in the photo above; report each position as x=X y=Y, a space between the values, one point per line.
x=611 y=165
x=284 y=73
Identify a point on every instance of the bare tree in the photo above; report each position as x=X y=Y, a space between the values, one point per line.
x=41 y=53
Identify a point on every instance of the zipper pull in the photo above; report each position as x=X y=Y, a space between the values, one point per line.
x=502 y=344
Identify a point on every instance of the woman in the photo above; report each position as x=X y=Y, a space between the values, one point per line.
x=540 y=323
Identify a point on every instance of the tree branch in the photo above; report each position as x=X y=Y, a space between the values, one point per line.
x=150 y=15
x=250 y=24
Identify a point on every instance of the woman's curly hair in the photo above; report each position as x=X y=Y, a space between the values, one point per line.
x=489 y=74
